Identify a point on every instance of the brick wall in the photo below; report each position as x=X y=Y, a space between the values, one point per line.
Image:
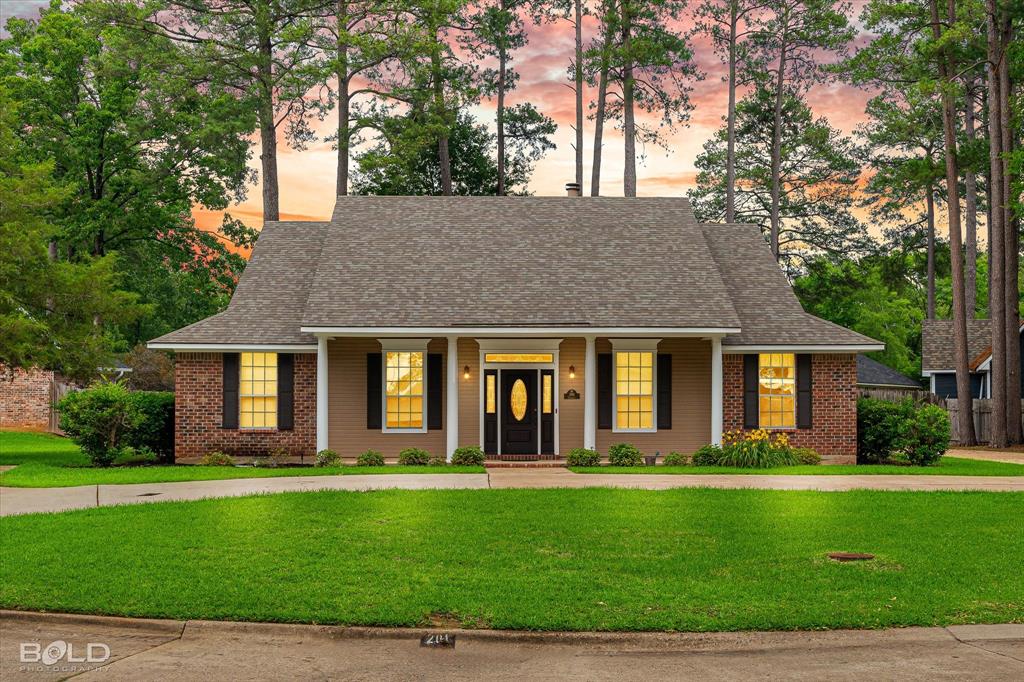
x=834 y=405
x=197 y=411
x=25 y=398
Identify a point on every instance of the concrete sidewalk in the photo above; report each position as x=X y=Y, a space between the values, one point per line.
x=152 y=649
x=31 y=500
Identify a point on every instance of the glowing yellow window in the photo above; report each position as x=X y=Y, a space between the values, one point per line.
x=492 y=403
x=519 y=357
x=634 y=390
x=403 y=390
x=776 y=391
x=257 y=391
x=546 y=394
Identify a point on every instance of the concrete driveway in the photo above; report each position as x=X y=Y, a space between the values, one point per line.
x=159 y=650
x=31 y=500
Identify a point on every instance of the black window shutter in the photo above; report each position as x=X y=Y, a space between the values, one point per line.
x=604 y=390
x=664 y=391
x=229 y=400
x=804 y=418
x=285 y=391
x=435 y=388
x=751 y=416
x=373 y=390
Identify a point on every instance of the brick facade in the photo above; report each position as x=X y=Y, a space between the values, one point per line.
x=197 y=411
x=25 y=398
x=834 y=406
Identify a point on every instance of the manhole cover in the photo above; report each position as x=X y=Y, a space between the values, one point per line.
x=850 y=556
x=147 y=494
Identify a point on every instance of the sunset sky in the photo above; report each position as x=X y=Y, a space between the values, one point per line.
x=307 y=177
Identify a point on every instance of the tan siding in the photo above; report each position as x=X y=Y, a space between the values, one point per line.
x=691 y=402
x=571 y=352
x=347 y=432
x=469 y=393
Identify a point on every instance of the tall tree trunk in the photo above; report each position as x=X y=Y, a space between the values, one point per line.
x=964 y=401
x=776 y=193
x=343 y=99
x=1011 y=272
x=971 y=211
x=929 y=201
x=628 y=116
x=443 y=157
x=997 y=234
x=578 y=8
x=730 y=149
x=268 y=130
x=502 y=71
x=602 y=102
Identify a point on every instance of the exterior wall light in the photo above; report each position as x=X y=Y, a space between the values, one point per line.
x=572 y=371
x=465 y=372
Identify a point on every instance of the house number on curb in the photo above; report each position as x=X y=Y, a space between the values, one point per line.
x=441 y=640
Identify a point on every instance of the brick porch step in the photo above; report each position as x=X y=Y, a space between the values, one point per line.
x=548 y=464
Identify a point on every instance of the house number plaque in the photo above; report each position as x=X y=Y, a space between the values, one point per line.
x=571 y=394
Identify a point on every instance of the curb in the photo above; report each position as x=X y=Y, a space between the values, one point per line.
x=694 y=641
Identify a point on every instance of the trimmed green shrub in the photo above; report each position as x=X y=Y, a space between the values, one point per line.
x=582 y=457
x=707 y=456
x=676 y=459
x=217 y=459
x=327 y=458
x=277 y=457
x=881 y=428
x=100 y=419
x=437 y=462
x=625 y=455
x=156 y=430
x=128 y=456
x=927 y=435
x=370 y=458
x=469 y=455
x=414 y=457
x=807 y=456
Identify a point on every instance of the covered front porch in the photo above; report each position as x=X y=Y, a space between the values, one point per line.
x=520 y=394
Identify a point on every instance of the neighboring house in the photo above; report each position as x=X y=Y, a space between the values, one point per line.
x=526 y=325
x=938 y=357
x=871 y=374
x=28 y=396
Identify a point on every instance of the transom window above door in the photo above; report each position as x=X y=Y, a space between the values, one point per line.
x=519 y=357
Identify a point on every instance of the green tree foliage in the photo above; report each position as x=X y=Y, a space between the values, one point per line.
x=138 y=135
x=817 y=167
x=54 y=314
x=401 y=164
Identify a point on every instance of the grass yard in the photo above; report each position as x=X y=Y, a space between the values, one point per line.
x=592 y=559
x=47 y=461
x=947 y=466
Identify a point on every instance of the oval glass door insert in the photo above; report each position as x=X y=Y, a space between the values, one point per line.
x=518 y=400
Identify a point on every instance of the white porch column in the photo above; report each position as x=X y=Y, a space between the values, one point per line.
x=451 y=427
x=590 y=395
x=321 y=393
x=716 y=391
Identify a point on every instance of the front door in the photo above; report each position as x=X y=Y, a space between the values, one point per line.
x=518 y=411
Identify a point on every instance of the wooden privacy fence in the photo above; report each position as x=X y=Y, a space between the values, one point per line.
x=897 y=395
x=59 y=388
x=982 y=418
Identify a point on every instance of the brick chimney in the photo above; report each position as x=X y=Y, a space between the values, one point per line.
x=572 y=189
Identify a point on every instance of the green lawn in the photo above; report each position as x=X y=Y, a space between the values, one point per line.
x=947 y=466
x=46 y=461
x=591 y=559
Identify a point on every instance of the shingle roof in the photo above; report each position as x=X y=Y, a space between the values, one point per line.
x=512 y=261
x=271 y=294
x=769 y=311
x=937 y=352
x=873 y=373
x=516 y=261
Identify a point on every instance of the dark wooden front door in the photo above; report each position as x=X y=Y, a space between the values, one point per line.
x=518 y=412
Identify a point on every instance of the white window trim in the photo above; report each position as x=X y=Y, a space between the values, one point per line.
x=401 y=346
x=626 y=346
x=275 y=396
x=796 y=394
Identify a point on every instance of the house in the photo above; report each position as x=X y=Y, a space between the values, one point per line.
x=873 y=375
x=28 y=397
x=938 y=359
x=526 y=325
